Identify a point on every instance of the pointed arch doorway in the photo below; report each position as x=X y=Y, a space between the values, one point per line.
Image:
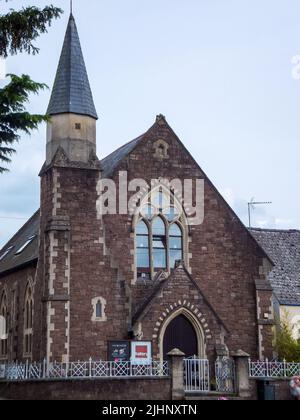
x=183 y=332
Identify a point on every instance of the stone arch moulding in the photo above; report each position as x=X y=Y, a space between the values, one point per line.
x=193 y=314
x=29 y=285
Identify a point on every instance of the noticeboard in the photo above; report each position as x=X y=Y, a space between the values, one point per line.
x=141 y=352
x=119 y=351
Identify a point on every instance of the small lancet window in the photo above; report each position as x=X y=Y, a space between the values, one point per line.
x=28 y=322
x=99 y=309
x=99 y=306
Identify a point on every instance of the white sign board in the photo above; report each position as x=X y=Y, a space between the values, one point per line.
x=141 y=352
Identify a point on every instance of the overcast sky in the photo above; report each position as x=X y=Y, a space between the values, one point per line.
x=221 y=72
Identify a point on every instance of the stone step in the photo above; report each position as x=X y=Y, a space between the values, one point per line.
x=212 y=396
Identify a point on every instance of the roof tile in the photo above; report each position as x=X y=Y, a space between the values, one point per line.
x=283 y=246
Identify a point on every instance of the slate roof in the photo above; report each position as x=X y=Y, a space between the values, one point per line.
x=71 y=91
x=283 y=247
x=111 y=162
x=11 y=261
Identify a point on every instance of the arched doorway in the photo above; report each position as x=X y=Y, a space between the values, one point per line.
x=180 y=334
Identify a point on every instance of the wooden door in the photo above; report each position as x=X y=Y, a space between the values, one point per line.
x=180 y=334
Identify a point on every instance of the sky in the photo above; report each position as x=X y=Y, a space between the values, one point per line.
x=221 y=72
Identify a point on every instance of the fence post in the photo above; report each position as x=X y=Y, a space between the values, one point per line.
x=177 y=372
x=26 y=369
x=284 y=368
x=44 y=369
x=90 y=367
x=267 y=364
x=242 y=374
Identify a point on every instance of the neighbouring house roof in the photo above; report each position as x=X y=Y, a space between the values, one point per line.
x=28 y=234
x=71 y=91
x=283 y=247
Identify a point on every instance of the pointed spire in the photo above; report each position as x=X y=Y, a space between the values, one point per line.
x=71 y=91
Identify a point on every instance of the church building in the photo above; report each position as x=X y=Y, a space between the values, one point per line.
x=76 y=281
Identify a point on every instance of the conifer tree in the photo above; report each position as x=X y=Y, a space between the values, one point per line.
x=18 y=32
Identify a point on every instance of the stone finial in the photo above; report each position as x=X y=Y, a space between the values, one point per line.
x=161 y=119
x=240 y=353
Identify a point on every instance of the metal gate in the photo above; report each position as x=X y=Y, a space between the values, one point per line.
x=196 y=375
x=225 y=375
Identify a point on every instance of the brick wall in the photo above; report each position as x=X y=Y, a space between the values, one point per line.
x=281 y=388
x=102 y=390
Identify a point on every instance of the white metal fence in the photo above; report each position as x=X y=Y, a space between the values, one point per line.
x=82 y=370
x=267 y=369
x=196 y=375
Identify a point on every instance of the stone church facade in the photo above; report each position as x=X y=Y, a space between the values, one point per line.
x=74 y=279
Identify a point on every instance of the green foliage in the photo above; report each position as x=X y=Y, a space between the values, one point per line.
x=18 y=29
x=287 y=347
x=13 y=115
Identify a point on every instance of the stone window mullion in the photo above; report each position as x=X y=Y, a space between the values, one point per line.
x=151 y=251
x=168 y=246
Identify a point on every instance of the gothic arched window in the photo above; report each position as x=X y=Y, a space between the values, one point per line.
x=28 y=322
x=4 y=329
x=159 y=235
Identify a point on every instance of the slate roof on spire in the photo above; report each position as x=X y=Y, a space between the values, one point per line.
x=71 y=91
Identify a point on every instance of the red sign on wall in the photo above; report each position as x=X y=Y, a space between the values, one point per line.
x=141 y=352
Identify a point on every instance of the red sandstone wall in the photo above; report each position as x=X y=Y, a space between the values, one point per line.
x=102 y=390
x=225 y=260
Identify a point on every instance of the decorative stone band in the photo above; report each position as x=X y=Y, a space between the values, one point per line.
x=56 y=298
x=58 y=223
